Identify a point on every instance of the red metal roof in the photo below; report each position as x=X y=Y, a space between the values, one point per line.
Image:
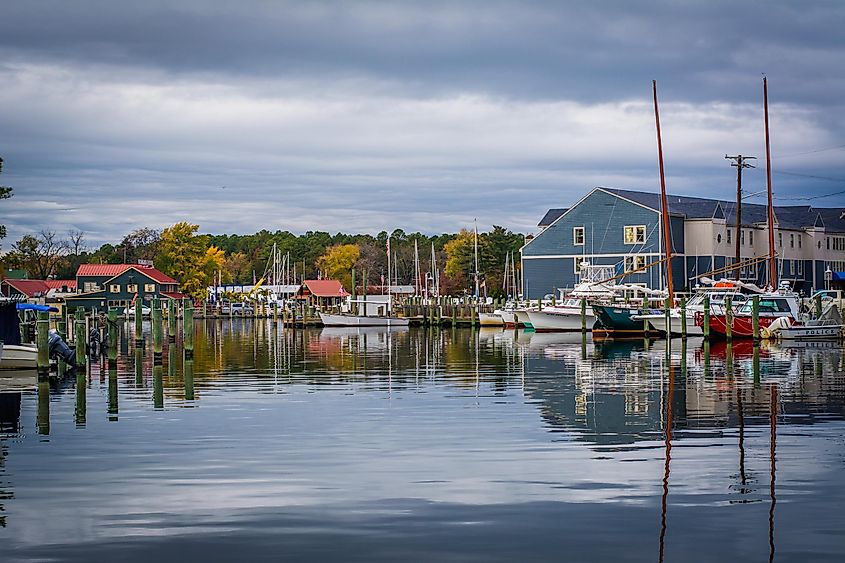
x=58 y=284
x=325 y=288
x=111 y=270
x=174 y=294
x=30 y=288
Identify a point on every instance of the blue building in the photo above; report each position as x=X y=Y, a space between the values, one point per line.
x=623 y=228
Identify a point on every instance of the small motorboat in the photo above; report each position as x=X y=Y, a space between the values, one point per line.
x=331 y=319
x=490 y=319
x=828 y=326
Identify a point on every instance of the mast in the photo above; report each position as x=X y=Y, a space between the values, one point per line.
x=434 y=275
x=389 y=274
x=773 y=272
x=416 y=268
x=664 y=206
x=477 y=292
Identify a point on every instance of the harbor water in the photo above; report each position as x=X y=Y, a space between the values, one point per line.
x=428 y=445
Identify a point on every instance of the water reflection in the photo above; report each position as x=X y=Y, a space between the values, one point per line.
x=477 y=430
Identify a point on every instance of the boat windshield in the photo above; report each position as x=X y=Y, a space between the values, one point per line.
x=768 y=305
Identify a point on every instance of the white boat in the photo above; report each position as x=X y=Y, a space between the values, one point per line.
x=718 y=296
x=331 y=319
x=490 y=319
x=19 y=356
x=521 y=318
x=827 y=327
x=561 y=317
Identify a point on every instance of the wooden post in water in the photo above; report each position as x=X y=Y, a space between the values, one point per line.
x=188 y=376
x=584 y=314
x=755 y=317
x=171 y=320
x=188 y=328
x=729 y=318
x=683 y=317
x=61 y=328
x=113 y=336
x=43 y=412
x=139 y=319
x=158 y=330
x=158 y=386
x=113 y=404
x=42 y=341
x=80 y=338
x=667 y=307
x=706 y=322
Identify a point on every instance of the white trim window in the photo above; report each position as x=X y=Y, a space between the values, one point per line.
x=800 y=265
x=634 y=263
x=149 y=288
x=578 y=236
x=634 y=234
x=132 y=288
x=114 y=288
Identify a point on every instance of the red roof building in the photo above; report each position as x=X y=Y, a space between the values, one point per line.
x=112 y=270
x=322 y=293
x=33 y=289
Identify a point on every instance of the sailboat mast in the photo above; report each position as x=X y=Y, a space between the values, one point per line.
x=667 y=235
x=477 y=292
x=773 y=272
x=434 y=275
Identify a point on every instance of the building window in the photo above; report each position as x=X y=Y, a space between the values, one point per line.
x=132 y=288
x=149 y=288
x=799 y=240
x=750 y=238
x=634 y=263
x=635 y=234
x=791 y=240
x=800 y=267
x=729 y=236
x=91 y=286
x=578 y=236
x=828 y=242
x=791 y=267
x=838 y=243
x=742 y=237
x=780 y=239
x=719 y=238
x=114 y=288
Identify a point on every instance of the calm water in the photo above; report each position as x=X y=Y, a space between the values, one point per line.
x=364 y=445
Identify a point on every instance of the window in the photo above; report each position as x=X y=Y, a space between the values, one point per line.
x=578 y=236
x=132 y=288
x=828 y=242
x=750 y=238
x=742 y=237
x=799 y=240
x=635 y=234
x=780 y=239
x=774 y=306
x=838 y=243
x=791 y=267
x=719 y=238
x=114 y=288
x=90 y=286
x=149 y=288
x=791 y=240
x=729 y=236
x=634 y=263
x=800 y=266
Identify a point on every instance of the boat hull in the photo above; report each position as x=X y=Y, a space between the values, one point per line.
x=741 y=326
x=616 y=322
x=522 y=319
x=19 y=356
x=811 y=333
x=487 y=319
x=675 y=326
x=329 y=319
x=546 y=321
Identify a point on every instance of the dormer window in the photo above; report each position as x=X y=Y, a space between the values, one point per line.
x=578 y=236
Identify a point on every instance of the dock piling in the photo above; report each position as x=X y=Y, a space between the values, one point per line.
x=755 y=316
x=42 y=341
x=706 y=326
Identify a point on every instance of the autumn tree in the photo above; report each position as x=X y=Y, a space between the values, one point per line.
x=40 y=255
x=337 y=263
x=188 y=257
x=236 y=268
x=140 y=244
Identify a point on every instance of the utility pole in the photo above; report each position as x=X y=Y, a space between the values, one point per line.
x=740 y=162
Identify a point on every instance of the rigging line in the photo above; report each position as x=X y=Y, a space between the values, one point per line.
x=811 y=152
x=814 y=176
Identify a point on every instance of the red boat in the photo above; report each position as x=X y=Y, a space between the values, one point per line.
x=772 y=306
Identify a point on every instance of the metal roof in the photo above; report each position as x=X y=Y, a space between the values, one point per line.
x=551 y=216
x=325 y=288
x=111 y=270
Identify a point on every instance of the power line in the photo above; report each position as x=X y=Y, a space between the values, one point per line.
x=828 y=178
x=812 y=151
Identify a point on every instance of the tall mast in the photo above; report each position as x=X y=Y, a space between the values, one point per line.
x=388 y=265
x=477 y=292
x=773 y=272
x=434 y=275
x=664 y=206
x=416 y=268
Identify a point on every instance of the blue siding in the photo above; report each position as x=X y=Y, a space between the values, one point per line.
x=603 y=217
x=543 y=275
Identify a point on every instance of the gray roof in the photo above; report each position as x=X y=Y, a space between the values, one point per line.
x=786 y=216
x=551 y=216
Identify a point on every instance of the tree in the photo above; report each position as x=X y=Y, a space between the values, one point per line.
x=338 y=261
x=236 y=268
x=140 y=244
x=5 y=193
x=188 y=257
x=40 y=255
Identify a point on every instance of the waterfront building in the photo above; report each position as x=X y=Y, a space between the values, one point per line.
x=118 y=285
x=623 y=228
x=40 y=292
x=322 y=294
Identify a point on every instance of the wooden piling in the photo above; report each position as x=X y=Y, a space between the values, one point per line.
x=81 y=408
x=158 y=386
x=188 y=376
x=157 y=330
x=706 y=326
x=188 y=329
x=42 y=341
x=171 y=320
x=139 y=319
x=113 y=401
x=583 y=314
x=667 y=308
x=113 y=336
x=43 y=409
x=755 y=316
x=80 y=338
x=729 y=318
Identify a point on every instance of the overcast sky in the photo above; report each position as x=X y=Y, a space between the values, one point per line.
x=369 y=116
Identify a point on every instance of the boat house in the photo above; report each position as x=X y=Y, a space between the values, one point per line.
x=119 y=285
x=322 y=294
x=622 y=228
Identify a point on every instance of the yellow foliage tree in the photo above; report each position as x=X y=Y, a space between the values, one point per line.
x=189 y=258
x=337 y=263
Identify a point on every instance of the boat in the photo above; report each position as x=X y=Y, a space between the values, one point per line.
x=341 y=319
x=15 y=354
x=19 y=356
x=828 y=326
x=521 y=318
x=772 y=306
x=490 y=319
x=718 y=295
x=508 y=316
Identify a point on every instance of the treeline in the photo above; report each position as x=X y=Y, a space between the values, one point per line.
x=197 y=260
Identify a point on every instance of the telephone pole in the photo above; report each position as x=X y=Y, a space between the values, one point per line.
x=739 y=162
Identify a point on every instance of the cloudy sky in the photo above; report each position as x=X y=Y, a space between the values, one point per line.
x=369 y=116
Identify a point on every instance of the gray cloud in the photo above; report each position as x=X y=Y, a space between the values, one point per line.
x=372 y=115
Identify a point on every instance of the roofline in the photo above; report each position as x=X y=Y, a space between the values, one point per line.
x=141 y=271
x=562 y=215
